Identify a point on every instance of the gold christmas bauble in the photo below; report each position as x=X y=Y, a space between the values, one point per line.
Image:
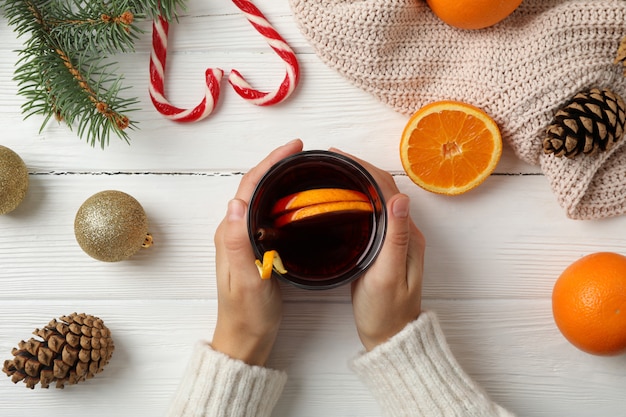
x=13 y=180
x=111 y=226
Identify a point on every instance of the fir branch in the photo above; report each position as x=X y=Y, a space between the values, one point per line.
x=93 y=27
x=153 y=8
x=65 y=69
x=95 y=104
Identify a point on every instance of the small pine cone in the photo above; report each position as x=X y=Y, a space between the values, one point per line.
x=592 y=121
x=71 y=350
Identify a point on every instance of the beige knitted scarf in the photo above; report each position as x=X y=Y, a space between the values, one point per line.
x=520 y=71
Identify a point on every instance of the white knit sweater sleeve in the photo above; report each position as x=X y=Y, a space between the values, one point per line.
x=415 y=374
x=215 y=385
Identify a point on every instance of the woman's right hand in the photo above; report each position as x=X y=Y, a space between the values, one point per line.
x=388 y=296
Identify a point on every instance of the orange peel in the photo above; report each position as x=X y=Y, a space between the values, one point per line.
x=271 y=261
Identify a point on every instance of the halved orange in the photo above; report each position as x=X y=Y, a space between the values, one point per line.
x=450 y=147
x=322 y=209
x=316 y=196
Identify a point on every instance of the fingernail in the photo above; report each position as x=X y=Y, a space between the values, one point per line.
x=400 y=207
x=291 y=142
x=236 y=210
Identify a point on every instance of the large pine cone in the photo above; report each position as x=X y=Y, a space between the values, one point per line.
x=72 y=350
x=592 y=121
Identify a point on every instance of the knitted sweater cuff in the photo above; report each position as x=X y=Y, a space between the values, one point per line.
x=414 y=373
x=218 y=386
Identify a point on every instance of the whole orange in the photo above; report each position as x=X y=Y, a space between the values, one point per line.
x=473 y=14
x=589 y=303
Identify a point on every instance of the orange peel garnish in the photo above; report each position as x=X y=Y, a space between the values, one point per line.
x=271 y=261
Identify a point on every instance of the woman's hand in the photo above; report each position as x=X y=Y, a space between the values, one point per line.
x=249 y=309
x=388 y=296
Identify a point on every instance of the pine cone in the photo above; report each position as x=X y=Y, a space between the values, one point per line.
x=72 y=350
x=591 y=121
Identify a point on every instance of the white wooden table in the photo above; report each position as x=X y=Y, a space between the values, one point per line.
x=492 y=256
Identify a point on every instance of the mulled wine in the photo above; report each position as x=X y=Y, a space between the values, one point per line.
x=329 y=241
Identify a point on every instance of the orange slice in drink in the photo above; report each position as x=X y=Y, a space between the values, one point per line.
x=449 y=147
x=322 y=209
x=311 y=204
x=306 y=198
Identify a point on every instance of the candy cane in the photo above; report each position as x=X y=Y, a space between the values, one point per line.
x=213 y=76
x=279 y=45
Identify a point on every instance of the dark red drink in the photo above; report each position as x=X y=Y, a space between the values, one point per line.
x=326 y=250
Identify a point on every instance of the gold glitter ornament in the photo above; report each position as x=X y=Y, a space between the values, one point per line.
x=111 y=226
x=13 y=180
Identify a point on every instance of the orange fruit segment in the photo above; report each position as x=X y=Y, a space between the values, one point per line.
x=450 y=147
x=316 y=196
x=315 y=210
x=589 y=303
x=473 y=14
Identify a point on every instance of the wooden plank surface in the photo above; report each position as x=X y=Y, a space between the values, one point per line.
x=492 y=255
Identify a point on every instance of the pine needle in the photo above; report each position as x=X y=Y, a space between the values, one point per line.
x=66 y=69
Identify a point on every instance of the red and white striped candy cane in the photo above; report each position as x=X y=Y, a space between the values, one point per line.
x=160 y=28
x=279 y=45
x=213 y=76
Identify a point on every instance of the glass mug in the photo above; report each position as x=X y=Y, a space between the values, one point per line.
x=325 y=251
